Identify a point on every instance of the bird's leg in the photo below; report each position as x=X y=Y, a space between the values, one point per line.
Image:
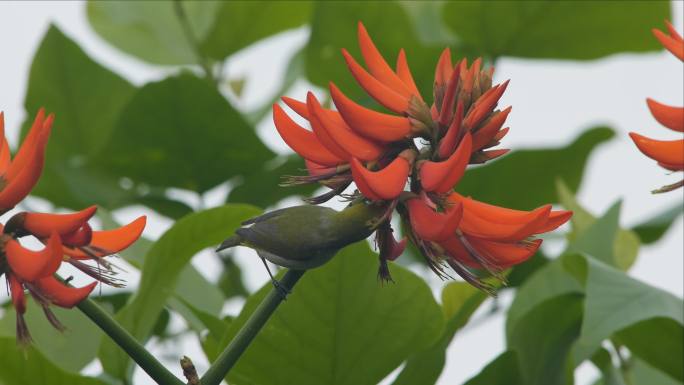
x=283 y=291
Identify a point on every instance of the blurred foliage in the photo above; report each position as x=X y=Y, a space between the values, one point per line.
x=340 y=326
x=116 y=145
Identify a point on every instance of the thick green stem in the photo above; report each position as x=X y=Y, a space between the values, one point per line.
x=128 y=343
x=218 y=370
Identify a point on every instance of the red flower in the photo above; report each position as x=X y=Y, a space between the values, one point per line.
x=67 y=237
x=668 y=153
x=378 y=152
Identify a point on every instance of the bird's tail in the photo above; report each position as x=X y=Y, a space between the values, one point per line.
x=234 y=240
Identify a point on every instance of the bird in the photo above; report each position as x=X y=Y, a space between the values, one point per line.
x=304 y=237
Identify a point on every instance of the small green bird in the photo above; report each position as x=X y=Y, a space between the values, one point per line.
x=305 y=237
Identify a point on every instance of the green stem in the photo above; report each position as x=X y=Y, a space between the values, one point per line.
x=128 y=343
x=220 y=368
x=202 y=60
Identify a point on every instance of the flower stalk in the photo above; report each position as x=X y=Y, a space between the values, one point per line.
x=220 y=368
x=128 y=343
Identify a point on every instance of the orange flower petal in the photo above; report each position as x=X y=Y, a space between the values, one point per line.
x=671 y=167
x=443 y=176
x=385 y=184
x=489 y=212
x=490 y=130
x=457 y=251
x=669 y=116
x=62 y=295
x=357 y=146
x=19 y=186
x=80 y=237
x=5 y=157
x=430 y=225
x=444 y=67
x=369 y=123
x=27 y=147
x=446 y=110
x=384 y=95
x=484 y=105
x=42 y=225
x=448 y=143
x=476 y=226
x=377 y=65
x=298 y=107
x=664 y=151
x=555 y=220
x=30 y=265
x=503 y=254
x=674 y=43
x=110 y=242
x=404 y=73
x=302 y=141
x=17 y=293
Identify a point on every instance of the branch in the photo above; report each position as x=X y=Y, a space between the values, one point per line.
x=220 y=368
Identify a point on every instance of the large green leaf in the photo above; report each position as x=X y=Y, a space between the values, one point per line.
x=652 y=229
x=556 y=29
x=86 y=99
x=615 y=302
x=162 y=268
x=70 y=350
x=151 y=30
x=459 y=302
x=31 y=368
x=601 y=238
x=180 y=132
x=241 y=23
x=504 y=370
x=543 y=340
x=333 y=27
x=643 y=373
x=340 y=326
x=506 y=182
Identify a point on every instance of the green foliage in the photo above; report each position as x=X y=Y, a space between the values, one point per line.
x=556 y=29
x=340 y=326
x=242 y=23
x=459 y=302
x=71 y=350
x=163 y=264
x=151 y=30
x=86 y=100
x=652 y=229
x=504 y=370
x=506 y=182
x=186 y=136
x=32 y=368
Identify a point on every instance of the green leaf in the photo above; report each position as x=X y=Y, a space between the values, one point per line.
x=556 y=29
x=550 y=281
x=591 y=235
x=504 y=370
x=543 y=340
x=86 y=99
x=185 y=135
x=459 y=302
x=31 y=368
x=333 y=27
x=242 y=23
x=614 y=302
x=655 y=227
x=340 y=326
x=151 y=30
x=657 y=341
x=609 y=373
x=501 y=182
x=262 y=188
x=162 y=267
x=642 y=373
x=71 y=350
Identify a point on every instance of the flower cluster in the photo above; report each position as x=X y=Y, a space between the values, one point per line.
x=668 y=153
x=66 y=237
x=425 y=146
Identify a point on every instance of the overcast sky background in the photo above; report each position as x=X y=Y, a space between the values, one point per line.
x=554 y=101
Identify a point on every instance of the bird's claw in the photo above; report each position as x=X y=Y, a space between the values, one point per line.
x=282 y=290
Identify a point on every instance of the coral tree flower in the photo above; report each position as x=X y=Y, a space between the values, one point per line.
x=66 y=237
x=426 y=147
x=668 y=153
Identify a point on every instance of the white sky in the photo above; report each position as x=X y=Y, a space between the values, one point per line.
x=554 y=101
